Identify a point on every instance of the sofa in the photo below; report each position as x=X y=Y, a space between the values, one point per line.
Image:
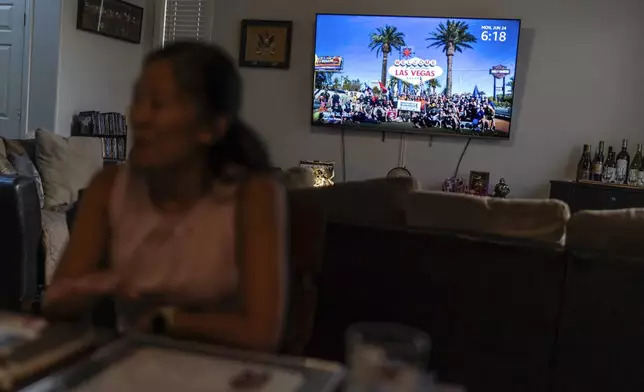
x=510 y=306
x=39 y=182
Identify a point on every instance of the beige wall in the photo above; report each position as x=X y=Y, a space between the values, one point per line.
x=96 y=72
x=579 y=80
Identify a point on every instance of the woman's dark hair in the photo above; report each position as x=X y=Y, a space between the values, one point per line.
x=206 y=74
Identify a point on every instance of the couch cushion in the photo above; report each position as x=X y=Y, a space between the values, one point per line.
x=614 y=231
x=67 y=165
x=30 y=147
x=542 y=219
x=54 y=238
x=5 y=165
x=23 y=165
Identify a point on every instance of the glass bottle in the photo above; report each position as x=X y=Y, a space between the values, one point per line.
x=623 y=163
x=610 y=168
x=585 y=165
x=636 y=167
x=598 y=163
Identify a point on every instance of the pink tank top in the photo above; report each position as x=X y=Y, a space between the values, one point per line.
x=191 y=255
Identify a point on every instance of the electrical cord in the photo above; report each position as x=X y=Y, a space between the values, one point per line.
x=344 y=157
x=401 y=153
x=458 y=165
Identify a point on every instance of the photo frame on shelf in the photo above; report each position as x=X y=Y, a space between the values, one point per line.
x=323 y=172
x=265 y=43
x=479 y=183
x=111 y=18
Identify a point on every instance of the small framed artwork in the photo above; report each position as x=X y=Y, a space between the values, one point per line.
x=265 y=43
x=111 y=18
x=323 y=172
x=479 y=183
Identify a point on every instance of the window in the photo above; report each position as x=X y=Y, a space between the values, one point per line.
x=187 y=20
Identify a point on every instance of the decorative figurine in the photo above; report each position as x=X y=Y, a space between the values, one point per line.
x=501 y=189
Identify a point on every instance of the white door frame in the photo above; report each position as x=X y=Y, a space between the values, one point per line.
x=40 y=66
x=26 y=67
x=158 y=10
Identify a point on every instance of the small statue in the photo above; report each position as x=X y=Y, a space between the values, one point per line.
x=501 y=189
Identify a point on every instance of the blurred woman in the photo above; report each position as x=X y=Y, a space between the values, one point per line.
x=193 y=220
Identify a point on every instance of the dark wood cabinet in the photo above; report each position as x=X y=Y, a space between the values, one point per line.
x=596 y=196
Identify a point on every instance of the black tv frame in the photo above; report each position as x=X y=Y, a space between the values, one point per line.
x=413 y=131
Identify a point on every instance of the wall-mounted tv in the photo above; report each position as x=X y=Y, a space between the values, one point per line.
x=434 y=76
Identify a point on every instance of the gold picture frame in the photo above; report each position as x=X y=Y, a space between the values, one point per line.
x=323 y=172
x=265 y=43
x=479 y=183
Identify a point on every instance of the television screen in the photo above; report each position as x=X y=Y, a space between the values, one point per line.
x=435 y=76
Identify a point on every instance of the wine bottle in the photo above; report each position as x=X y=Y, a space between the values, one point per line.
x=598 y=163
x=636 y=166
x=640 y=176
x=623 y=163
x=610 y=167
x=585 y=164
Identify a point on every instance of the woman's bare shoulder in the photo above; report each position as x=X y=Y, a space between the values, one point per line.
x=100 y=186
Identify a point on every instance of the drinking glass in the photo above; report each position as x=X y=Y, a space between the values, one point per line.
x=384 y=357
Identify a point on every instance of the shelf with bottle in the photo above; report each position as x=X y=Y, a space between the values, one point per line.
x=617 y=170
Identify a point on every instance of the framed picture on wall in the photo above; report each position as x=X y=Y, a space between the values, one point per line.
x=265 y=43
x=111 y=18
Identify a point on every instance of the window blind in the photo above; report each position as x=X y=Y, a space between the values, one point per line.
x=187 y=20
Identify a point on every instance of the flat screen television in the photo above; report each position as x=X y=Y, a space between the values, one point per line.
x=434 y=76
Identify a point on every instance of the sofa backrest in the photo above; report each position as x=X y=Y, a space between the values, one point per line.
x=612 y=231
x=490 y=307
x=601 y=336
x=30 y=147
x=539 y=219
x=376 y=202
x=19 y=239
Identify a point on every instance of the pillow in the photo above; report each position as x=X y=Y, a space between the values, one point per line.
x=17 y=155
x=67 y=165
x=55 y=236
x=5 y=166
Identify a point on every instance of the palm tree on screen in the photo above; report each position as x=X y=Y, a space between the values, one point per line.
x=393 y=83
x=346 y=83
x=323 y=79
x=405 y=87
x=451 y=38
x=384 y=40
x=335 y=85
x=434 y=84
x=511 y=83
